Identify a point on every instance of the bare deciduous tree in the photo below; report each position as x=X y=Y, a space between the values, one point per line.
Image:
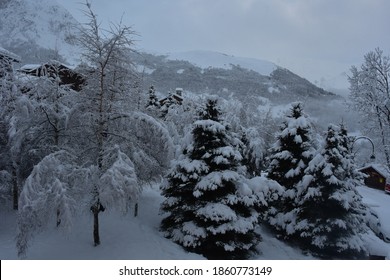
x=108 y=75
x=370 y=95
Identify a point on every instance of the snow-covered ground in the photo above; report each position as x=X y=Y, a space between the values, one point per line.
x=379 y=202
x=127 y=237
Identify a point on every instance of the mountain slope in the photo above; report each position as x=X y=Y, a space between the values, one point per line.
x=209 y=59
x=215 y=73
x=33 y=29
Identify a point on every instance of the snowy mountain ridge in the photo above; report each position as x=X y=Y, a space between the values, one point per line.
x=207 y=59
x=34 y=29
x=224 y=75
x=37 y=30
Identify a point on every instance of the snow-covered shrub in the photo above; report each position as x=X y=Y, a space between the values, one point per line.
x=118 y=185
x=49 y=194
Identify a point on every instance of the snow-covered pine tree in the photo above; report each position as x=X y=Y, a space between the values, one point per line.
x=209 y=208
x=152 y=102
x=289 y=158
x=331 y=213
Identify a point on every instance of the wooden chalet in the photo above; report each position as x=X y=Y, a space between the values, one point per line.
x=54 y=69
x=378 y=176
x=175 y=98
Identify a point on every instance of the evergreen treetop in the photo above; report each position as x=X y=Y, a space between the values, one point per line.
x=293 y=148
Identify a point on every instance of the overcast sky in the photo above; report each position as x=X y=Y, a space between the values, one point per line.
x=314 y=38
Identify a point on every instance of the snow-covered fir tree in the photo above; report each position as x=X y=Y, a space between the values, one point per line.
x=208 y=207
x=289 y=158
x=331 y=220
x=152 y=102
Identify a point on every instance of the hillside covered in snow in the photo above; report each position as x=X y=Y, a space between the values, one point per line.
x=37 y=30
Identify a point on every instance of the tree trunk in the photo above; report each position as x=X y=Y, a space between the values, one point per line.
x=96 y=208
x=96 y=237
x=15 y=189
x=58 y=218
x=136 y=210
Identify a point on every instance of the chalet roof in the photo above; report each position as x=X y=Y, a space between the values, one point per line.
x=381 y=169
x=29 y=67
x=10 y=55
x=52 y=68
x=33 y=67
x=174 y=96
x=178 y=97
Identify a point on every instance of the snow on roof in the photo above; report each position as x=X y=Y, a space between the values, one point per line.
x=56 y=62
x=29 y=67
x=380 y=168
x=9 y=54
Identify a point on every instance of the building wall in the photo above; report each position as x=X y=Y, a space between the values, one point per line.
x=374 y=179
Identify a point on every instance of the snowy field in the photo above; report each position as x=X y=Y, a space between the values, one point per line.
x=130 y=238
